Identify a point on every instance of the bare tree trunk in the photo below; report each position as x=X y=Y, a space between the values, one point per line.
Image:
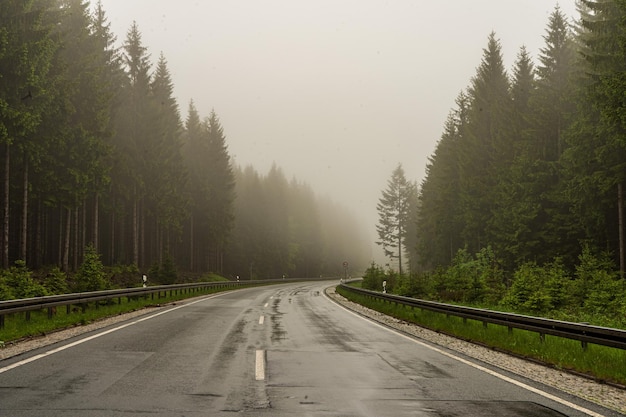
x=76 y=239
x=113 y=259
x=83 y=228
x=191 y=248
x=159 y=239
x=96 y=220
x=620 y=208
x=60 y=242
x=142 y=234
x=399 y=254
x=66 y=245
x=38 y=254
x=24 y=228
x=5 y=222
x=135 y=230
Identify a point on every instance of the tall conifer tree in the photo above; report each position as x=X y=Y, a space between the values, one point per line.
x=394 y=215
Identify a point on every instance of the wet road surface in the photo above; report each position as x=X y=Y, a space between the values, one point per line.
x=273 y=351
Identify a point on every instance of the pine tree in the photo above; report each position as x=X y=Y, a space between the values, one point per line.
x=394 y=215
x=440 y=216
x=167 y=176
x=515 y=206
x=487 y=145
x=135 y=129
x=195 y=152
x=220 y=183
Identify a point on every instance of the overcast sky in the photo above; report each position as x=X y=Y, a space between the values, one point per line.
x=335 y=92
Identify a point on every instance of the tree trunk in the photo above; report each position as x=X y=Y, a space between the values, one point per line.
x=142 y=234
x=5 y=222
x=24 y=227
x=191 y=249
x=66 y=244
x=112 y=257
x=96 y=219
x=60 y=241
x=400 y=253
x=83 y=230
x=76 y=239
x=135 y=230
x=38 y=255
x=620 y=216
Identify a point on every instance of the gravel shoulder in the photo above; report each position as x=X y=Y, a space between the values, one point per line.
x=607 y=396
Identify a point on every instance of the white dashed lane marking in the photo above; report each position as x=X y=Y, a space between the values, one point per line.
x=259 y=372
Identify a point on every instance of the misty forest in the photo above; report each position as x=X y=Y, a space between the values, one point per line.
x=521 y=206
x=97 y=166
x=522 y=203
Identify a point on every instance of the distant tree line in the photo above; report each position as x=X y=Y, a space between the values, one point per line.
x=97 y=160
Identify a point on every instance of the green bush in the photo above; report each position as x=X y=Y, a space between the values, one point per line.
x=125 y=276
x=56 y=282
x=17 y=282
x=165 y=273
x=91 y=275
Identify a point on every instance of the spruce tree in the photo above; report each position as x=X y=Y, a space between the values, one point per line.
x=394 y=215
x=486 y=148
x=220 y=184
x=440 y=216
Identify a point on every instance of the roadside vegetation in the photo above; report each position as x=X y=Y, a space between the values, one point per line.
x=595 y=361
x=592 y=292
x=19 y=282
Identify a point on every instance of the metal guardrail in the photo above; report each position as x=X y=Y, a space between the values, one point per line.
x=51 y=302
x=584 y=333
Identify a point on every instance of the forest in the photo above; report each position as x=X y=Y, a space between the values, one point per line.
x=522 y=202
x=98 y=168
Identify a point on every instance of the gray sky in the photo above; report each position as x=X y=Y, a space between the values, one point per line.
x=335 y=92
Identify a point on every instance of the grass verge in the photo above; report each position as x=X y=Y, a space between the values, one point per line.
x=596 y=361
x=17 y=326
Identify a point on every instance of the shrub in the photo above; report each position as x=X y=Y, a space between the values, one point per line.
x=375 y=276
x=19 y=283
x=165 y=273
x=56 y=282
x=91 y=275
x=528 y=292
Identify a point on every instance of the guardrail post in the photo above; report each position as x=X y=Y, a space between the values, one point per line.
x=542 y=337
x=583 y=344
x=1 y=321
x=28 y=316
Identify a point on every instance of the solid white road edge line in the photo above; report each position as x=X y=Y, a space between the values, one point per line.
x=259 y=369
x=95 y=336
x=476 y=366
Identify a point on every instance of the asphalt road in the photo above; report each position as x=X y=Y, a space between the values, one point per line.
x=273 y=351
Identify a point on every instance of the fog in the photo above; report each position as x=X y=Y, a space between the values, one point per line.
x=336 y=93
